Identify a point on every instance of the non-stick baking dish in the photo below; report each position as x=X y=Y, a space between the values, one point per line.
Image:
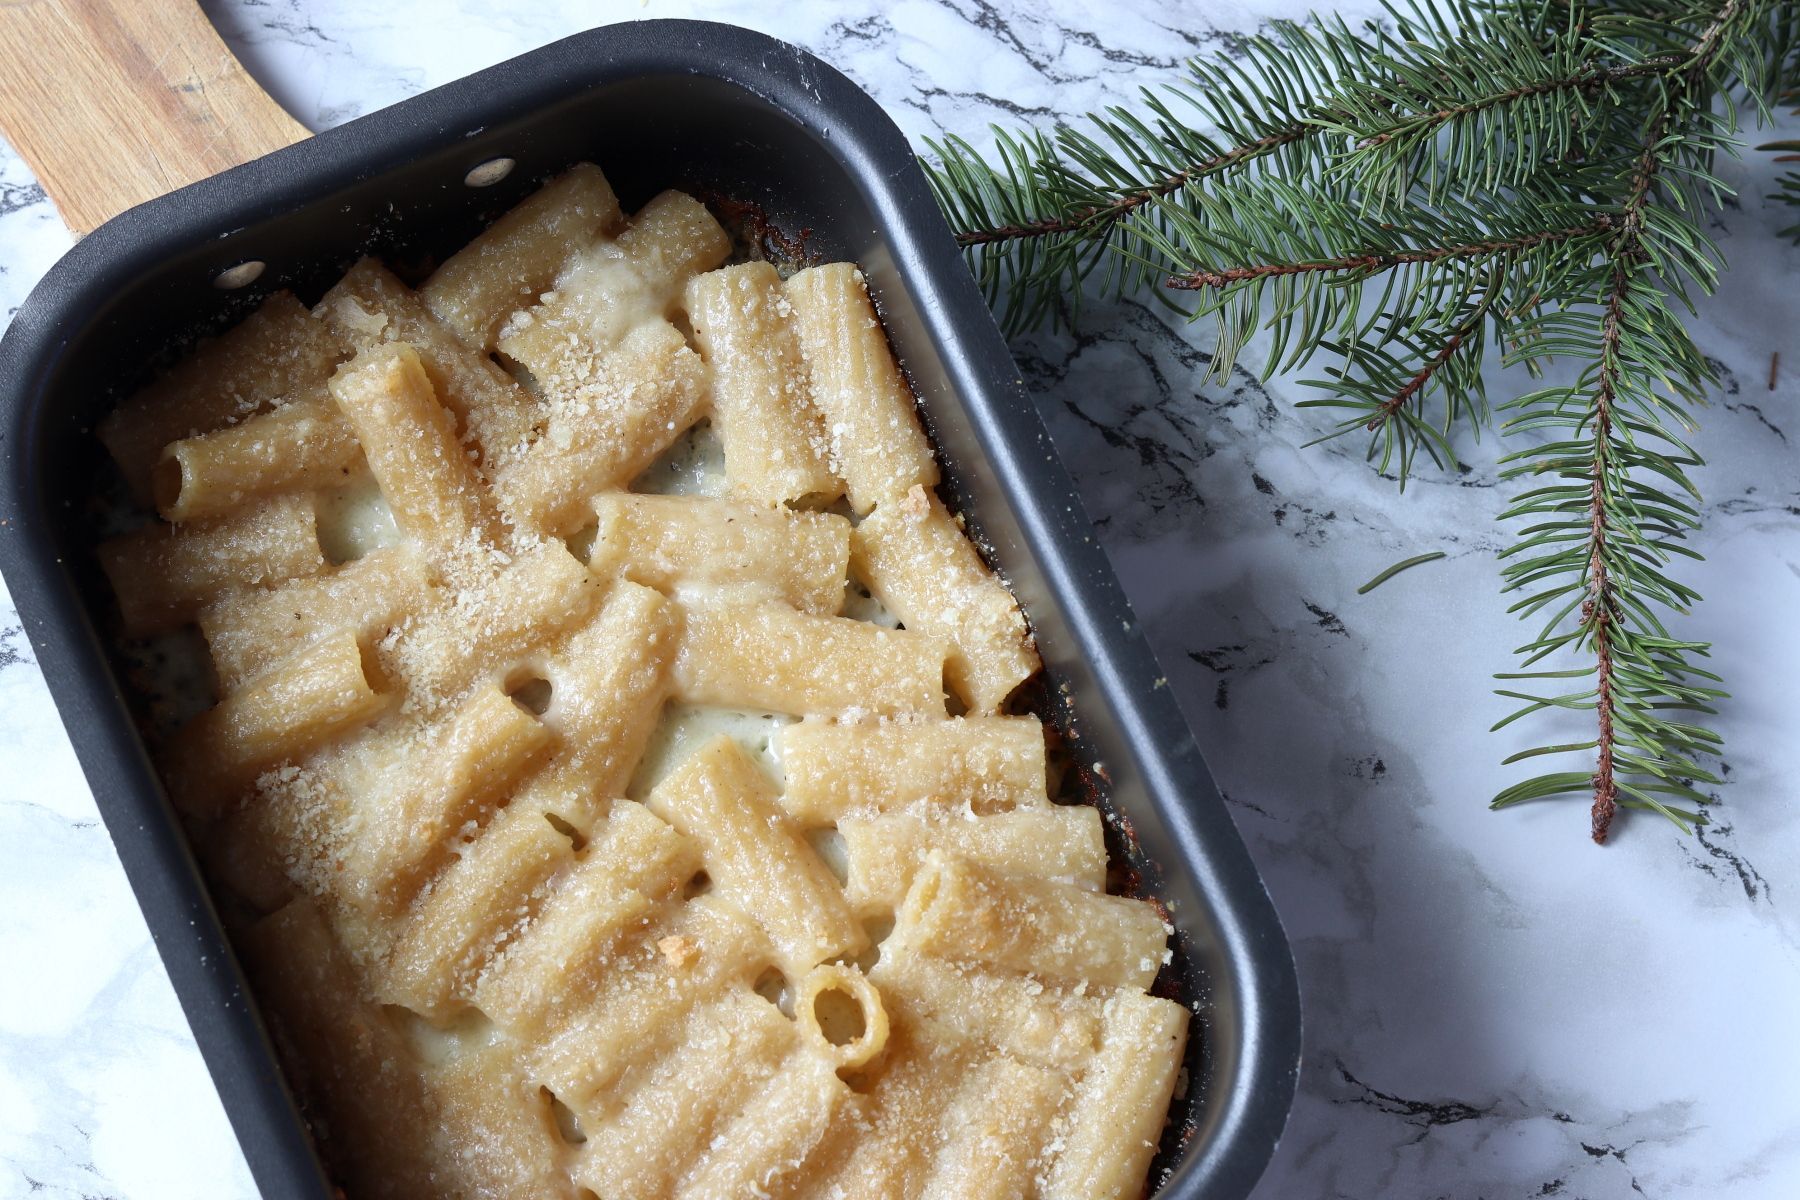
x=730 y=113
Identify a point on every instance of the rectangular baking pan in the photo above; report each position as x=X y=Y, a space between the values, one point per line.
x=655 y=103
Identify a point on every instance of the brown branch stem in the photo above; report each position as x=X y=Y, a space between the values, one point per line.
x=1599 y=610
x=1599 y=606
x=1130 y=201
x=1198 y=280
x=1397 y=401
x=1589 y=80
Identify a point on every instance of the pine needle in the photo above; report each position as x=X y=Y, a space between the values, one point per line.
x=1402 y=565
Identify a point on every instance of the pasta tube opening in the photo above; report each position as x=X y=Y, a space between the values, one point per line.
x=841 y=1013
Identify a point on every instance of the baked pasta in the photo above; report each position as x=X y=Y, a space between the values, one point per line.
x=608 y=768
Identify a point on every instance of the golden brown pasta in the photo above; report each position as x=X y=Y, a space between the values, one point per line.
x=626 y=872
x=411 y=444
x=494 y=622
x=893 y=1152
x=972 y=1007
x=302 y=445
x=983 y=764
x=1122 y=1101
x=467 y=766
x=518 y=256
x=912 y=555
x=318 y=694
x=631 y=407
x=498 y=1131
x=671 y=239
x=339 y=1042
x=279 y=351
x=163 y=575
x=994 y=1132
x=670 y=542
x=877 y=444
x=1056 y=931
x=239 y=856
x=369 y=307
x=770 y=657
x=776 y=447
x=773 y=1134
x=640 y=1010
x=612 y=289
x=608 y=683
x=841 y=1015
x=756 y=857
x=883 y=853
x=728 y=1053
x=474 y=910
x=247 y=630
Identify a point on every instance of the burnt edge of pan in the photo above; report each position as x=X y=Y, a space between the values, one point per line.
x=54 y=589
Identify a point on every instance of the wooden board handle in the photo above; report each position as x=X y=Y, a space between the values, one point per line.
x=114 y=102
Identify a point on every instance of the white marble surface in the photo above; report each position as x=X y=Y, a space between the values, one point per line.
x=1495 y=1008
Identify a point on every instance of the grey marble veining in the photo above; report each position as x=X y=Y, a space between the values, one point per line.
x=1495 y=1008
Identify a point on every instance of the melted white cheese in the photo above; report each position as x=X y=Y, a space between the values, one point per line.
x=693 y=466
x=355 y=519
x=685 y=727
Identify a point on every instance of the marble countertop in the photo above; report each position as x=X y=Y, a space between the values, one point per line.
x=1495 y=1008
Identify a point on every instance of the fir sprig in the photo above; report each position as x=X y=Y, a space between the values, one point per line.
x=1784 y=65
x=1531 y=176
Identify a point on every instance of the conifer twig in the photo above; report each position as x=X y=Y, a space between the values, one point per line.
x=1195 y=280
x=1129 y=201
x=1420 y=378
x=1403 y=195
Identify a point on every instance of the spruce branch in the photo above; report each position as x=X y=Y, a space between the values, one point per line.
x=1408 y=197
x=1590 y=80
x=1784 y=66
x=1383 y=389
x=1609 y=553
x=1200 y=278
x=1056 y=206
x=1600 y=611
x=1122 y=205
x=1412 y=387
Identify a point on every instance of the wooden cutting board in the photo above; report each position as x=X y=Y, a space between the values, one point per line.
x=114 y=102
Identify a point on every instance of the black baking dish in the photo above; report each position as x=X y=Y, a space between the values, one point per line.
x=655 y=103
